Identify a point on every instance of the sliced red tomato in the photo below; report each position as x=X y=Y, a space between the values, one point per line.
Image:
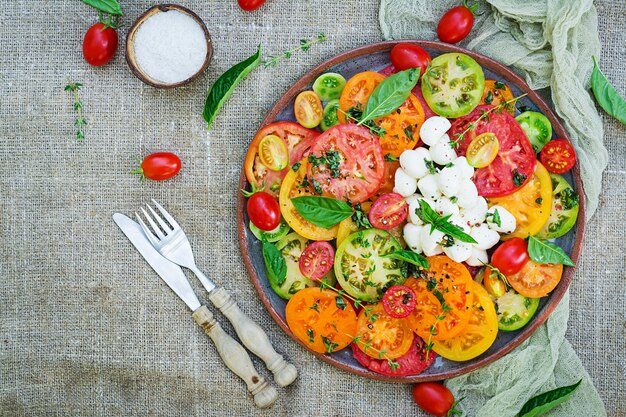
x=316 y=260
x=536 y=280
x=388 y=211
x=411 y=363
x=515 y=163
x=399 y=301
x=361 y=164
x=558 y=156
x=296 y=138
x=380 y=335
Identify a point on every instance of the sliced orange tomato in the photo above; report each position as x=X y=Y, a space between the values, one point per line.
x=273 y=153
x=308 y=109
x=479 y=333
x=322 y=322
x=450 y=280
x=381 y=336
x=496 y=93
x=482 y=150
x=389 y=179
x=536 y=280
x=357 y=91
x=530 y=205
x=288 y=190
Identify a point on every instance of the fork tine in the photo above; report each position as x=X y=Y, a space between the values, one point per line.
x=158 y=218
x=155 y=228
x=167 y=216
x=146 y=230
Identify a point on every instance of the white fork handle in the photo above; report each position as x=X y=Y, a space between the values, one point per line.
x=236 y=358
x=254 y=338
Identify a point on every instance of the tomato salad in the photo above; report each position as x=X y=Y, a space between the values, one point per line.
x=412 y=211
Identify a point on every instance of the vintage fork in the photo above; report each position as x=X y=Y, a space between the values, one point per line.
x=171 y=242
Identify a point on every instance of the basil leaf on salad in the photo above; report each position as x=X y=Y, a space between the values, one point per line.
x=390 y=94
x=322 y=211
x=441 y=223
x=274 y=263
x=223 y=87
x=545 y=402
x=606 y=95
x=544 y=252
x=106 y=6
x=410 y=257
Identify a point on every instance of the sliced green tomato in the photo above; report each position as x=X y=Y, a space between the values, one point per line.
x=453 y=85
x=515 y=310
x=329 y=86
x=362 y=270
x=273 y=153
x=482 y=150
x=273 y=235
x=291 y=247
x=537 y=128
x=330 y=115
x=564 y=210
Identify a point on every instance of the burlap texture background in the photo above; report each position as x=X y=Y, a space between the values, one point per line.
x=86 y=327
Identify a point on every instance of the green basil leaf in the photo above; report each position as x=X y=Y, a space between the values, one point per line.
x=106 y=6
x=410 y=257
x=274 y=263
x=544 y=252
x=545 y=402
x=322 y=211
x=390 y=94
x=223 y=87
x=607 y=97
x=441 y=223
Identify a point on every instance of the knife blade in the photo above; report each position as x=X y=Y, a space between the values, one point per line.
x=169 y=272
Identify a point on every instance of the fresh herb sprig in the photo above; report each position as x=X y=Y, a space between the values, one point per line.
x=382 y=354
x=431 y=285
x=356 y=113
x=305 y=45
x=428 y=215
x=80 y=120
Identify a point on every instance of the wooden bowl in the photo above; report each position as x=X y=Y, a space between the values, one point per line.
x=130 y=45
x=375 y=57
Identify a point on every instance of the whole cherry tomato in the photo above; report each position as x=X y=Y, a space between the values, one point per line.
x=434 y=398
x=263 y=211
x=457 y=23
x=100 y=44
x=407 y=55
x=249 y=5
x=511 y=256
x=159 y=166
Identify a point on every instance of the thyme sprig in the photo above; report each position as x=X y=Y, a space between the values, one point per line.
x=305 y=45
x=325 y=285
x=80 y=120
x=382 y=354
x=431 y=286
x=504 y=106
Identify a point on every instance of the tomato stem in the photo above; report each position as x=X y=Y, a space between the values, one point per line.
x=472 y=7
x=249 y=194
x=453 y=410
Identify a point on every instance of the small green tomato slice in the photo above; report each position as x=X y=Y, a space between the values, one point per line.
x=537 y=128
x=564 y=210
x=515 y=311
x=329 y=86
x=482 y=150
x=273 y=235
x=330 y=115
x=361 y=268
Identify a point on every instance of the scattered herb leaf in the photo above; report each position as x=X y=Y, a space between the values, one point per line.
x=545 y=402
x=606 y=95
x=441 y=223
x=322 y=211
x=106 y=6
x=274 y=263
x=518 y=178
x=80 y=120
x=305 y=45
x=544 y=252
x=410 y=257
x=390 y=94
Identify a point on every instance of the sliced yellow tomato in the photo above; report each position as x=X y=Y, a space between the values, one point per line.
x=308 y=109
x=482 y=150
x=288 y=190
x=530 y=205
x=479 y=333
x=347 y=226
x=273 y=153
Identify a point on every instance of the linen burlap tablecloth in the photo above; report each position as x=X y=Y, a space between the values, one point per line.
x=87 y=328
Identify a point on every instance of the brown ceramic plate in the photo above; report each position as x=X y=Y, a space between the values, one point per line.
x=375 y=57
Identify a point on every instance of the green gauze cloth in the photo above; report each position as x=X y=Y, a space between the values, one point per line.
x=550 y=43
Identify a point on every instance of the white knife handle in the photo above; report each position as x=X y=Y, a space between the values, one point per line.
x=254 y=338
x=236 y=358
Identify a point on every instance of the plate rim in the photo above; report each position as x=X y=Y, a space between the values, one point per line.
x=554 y=298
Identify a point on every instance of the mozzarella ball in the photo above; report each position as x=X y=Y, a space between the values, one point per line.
x=467 y=195
x=412 y=198
x=405 y=185
x=413 y=162
x=478 y=258
x=476 y=213
x=442 y=153
x=431 y=242
x=445 y=206
x=465 y=169
x=429 y=186
x=459 y=252
x=459 y=220
x=484 y=236
x=507 y=220
x=433 y=130
x=412 y=237
x=449 y=181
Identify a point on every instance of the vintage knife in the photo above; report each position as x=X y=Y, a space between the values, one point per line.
x=232 y=353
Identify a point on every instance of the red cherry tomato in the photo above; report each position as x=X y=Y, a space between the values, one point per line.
x=511 y=256
x=388 y=211
x=316 y=260
x=558 y=156
x=407 y=55
x=250 y=5
x=456 y=23
x=399 y=301
x=263 y=211
x=433 y=398
x=99 y=45
x=159 y=166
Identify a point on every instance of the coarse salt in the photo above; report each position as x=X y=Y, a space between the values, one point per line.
x=170 y=47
